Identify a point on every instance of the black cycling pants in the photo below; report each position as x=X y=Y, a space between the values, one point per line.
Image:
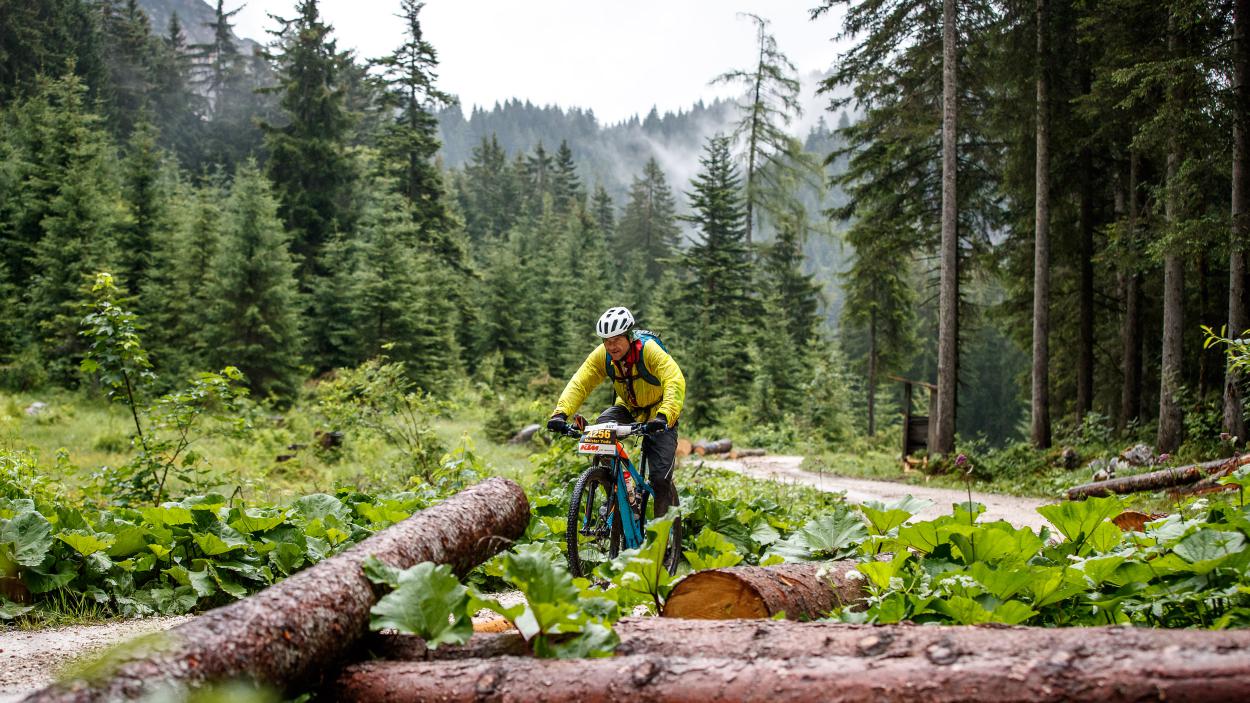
x=660 y=451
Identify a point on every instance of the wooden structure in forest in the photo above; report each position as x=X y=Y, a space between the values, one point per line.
x=917 y=430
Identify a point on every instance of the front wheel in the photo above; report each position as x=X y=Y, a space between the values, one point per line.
x=593 y=528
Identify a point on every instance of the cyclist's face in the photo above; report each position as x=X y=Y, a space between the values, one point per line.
x=617 y=346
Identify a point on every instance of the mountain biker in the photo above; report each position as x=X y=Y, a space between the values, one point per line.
x=649 y=388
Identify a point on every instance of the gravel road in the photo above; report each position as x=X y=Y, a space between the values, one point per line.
x=1021 y=512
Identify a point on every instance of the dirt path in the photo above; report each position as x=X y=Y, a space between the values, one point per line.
x=1020 y=512
x=32 y=659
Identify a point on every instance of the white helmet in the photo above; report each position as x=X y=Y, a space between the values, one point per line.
x=614 y=322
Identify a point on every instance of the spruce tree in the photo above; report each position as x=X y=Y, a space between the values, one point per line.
x=409 y=141
x=490 y=196
x=308 y=163
x=603 y=212
x=719 y=306
x=69 y=215
x=147 y=201
x=648 y=228
x=254 y=307
x=566 y=187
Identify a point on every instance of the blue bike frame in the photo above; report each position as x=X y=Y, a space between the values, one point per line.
x=631 y=529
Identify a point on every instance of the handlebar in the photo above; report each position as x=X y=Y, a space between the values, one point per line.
x=635 y=428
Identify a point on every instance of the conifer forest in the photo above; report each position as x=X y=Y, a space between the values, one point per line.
x=264 y=297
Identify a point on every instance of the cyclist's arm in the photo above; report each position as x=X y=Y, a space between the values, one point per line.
x=671 y=380
x=587 y=378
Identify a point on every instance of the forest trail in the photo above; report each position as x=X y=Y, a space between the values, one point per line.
x=1019 y=511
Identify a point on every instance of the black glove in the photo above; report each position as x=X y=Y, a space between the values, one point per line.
x=659 y=424
x=558 y=423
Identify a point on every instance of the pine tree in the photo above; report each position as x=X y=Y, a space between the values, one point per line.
x=490 y=195
x=128 y=51
x=253 y=314
x=70 y=211
x=770 y=105
x=176 y=107
x=308 y=163
x=719 y=306
x=648 y=229
x=410 y=140
x=177 y=295
x=539 y=171
x=603 y=212
x=141 y=178
x=566 y=187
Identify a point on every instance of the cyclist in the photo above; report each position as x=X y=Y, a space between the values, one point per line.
x=649 y=388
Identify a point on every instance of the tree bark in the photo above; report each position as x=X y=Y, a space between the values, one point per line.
x=1040 y=425
x=289 y=635
x=800 y=591
x=1130 y=334
x=1171 y=417
x=1238 y=315
x=872 y=374
x=525 y=434
x=948 y=297
x=1155 y=480
x=719 y=446
x=1085 y=313
x=667 y=660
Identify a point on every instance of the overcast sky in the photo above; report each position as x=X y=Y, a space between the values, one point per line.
x=617 y=57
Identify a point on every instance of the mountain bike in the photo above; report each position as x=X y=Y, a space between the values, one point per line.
x=607 y=513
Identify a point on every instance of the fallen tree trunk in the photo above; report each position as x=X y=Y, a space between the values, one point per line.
x=1155 y=480
x=525 y=434
x=684 y=447
x=667 y=660
x=720 y=446
x=286 y=636
x=743 y=453
x=800 y=591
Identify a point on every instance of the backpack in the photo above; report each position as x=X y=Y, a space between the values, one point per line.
x=642 y=336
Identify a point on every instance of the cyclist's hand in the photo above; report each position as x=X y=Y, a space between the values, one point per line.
x=659 y=424
x=558 y=424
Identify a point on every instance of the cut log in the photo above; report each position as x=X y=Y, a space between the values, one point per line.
x=1156 y=480
x=743 y=453
x=800 y=591
x=720 y=446
x=674 y=660
x=684 y=447
x=525 y=434
x=287 y=636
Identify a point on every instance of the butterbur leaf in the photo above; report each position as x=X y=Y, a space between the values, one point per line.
x=1013 y=612
x=39 y=580
x=884 y=517
x=30 y=535
x=379 y=571
x=11 y=611
x=962 y=610
x=429 y=603
x=1077 y=520
x=595 y=640
x=1205 y=546
x=85 y=543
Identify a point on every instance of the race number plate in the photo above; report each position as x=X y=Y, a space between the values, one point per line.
x=596 y=448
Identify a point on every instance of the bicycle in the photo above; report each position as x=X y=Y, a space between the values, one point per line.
x=602 y=520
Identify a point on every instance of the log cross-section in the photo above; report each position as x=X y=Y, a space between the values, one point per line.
x=291 y=634
x=799 y=591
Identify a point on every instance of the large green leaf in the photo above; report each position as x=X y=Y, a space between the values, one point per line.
x=826 y=537
x=319 y=506
x=1003 y=583
x=712 y=551
x=430 y=603
x=84 y=542
x=30 y=535
x=883 y=517
x=39 y=580
x=11 y=611
x=1206 y=548
x=1077 y=520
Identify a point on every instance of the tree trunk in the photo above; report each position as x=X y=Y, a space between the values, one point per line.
x=948 y=298
x=719 y=446
x=1085 y=313
x=800 y=591
x=1155 y=480
x=1040 y=426
x=1238 y=315
x=1130 y=332
x=1171 y=417
x=289 y=635
x=678 y=660
x=872 y=374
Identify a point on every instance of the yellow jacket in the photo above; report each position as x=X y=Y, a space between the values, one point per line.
x=666 y=398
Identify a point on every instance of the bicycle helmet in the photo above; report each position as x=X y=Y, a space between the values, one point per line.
x=614 y=322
